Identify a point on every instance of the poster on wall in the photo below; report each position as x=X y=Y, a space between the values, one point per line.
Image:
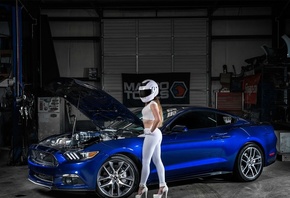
x=173 y=88
x=250 y=86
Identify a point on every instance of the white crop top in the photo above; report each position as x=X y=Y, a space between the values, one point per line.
x=147 y=112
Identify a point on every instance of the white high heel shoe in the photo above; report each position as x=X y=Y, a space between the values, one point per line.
x=144 y=190
x=160 y=194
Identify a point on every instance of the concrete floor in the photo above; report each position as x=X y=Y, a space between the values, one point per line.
x=274 y=182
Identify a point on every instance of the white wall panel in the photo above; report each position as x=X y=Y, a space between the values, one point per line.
x=235 y=52
x=190 y=46
x=110 y=82
x=75 y=28
x=155 y=46
x=193 y=64
x=242 y=27
x=198 y=98
x=190 y=27
x=126 y=64
x=129 y=13
x=155 y=13
x=62 y=55
x=154 y=28
x=70 y=12
x=73 y=61
x=242 y=11
x=119 y=28
x=183 y=13
x=119 y=46
x=198 y=82
x=154 y=64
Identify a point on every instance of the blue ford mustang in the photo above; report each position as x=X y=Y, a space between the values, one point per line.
x=197 y=142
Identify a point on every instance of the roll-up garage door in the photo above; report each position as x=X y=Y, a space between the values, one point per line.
x=156 y=46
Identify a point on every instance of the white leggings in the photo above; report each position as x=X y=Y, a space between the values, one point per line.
x=152 y=149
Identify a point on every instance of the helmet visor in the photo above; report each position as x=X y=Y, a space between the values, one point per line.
x=144 y=93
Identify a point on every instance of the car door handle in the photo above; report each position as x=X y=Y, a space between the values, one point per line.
x=219 y=136
x=215 y=137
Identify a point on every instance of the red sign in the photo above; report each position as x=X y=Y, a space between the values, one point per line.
x=250 y=86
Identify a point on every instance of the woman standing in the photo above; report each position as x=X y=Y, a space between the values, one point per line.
x=152 y=119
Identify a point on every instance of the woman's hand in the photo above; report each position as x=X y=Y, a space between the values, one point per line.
x=147 y=131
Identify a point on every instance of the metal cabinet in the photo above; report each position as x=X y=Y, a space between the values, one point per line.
x=232 y=102
x=51 y=115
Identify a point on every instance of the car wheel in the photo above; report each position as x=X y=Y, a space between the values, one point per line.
x=249 y=164
x=117 y=177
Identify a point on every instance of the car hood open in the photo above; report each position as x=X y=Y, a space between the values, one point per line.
x=96 y=104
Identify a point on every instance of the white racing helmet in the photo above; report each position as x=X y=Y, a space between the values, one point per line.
x=148 y=90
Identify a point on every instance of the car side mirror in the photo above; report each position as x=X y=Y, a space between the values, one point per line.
x=179 y=128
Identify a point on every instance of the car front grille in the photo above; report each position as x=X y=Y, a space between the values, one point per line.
x=43 y=158
x=42 y=177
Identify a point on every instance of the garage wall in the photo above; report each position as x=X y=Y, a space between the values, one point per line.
x=156 y=45
x=287 y=29
x=145 y=41
x=76 y=36
x=237 y=35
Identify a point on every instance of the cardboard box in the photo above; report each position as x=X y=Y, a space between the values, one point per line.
x=284 y=157
x=283 y=141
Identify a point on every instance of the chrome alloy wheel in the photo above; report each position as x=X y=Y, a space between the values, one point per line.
x=117 y=177
x=251 y=163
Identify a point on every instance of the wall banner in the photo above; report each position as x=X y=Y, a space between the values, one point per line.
x=173 y=88
x=250 y=86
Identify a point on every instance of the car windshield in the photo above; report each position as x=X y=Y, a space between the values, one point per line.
x=125 y=124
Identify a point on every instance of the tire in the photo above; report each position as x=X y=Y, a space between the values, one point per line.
x=249 y=163
x=117 y=177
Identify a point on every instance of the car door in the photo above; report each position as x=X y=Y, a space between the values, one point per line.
x=196 y=150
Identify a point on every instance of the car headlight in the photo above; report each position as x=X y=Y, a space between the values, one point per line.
x=80 y=155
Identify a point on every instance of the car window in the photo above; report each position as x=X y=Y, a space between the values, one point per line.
x=203 y=119
x=223 y=119
x=196 y=120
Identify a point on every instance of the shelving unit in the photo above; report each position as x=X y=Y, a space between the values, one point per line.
x=6 y=55
x=274 y=93
x=5 y=63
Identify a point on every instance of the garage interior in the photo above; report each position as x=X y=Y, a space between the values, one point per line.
x=237 y=53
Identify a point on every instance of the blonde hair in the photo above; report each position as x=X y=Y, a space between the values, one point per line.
x=156 y=99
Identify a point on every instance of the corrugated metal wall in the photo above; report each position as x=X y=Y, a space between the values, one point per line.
x=156 y=45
